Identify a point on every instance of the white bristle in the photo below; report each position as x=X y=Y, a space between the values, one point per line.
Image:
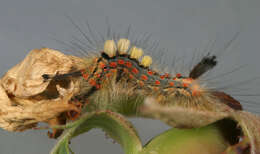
x=123 y=45
x=110 y=48
x=135 y=52
x=146 y=61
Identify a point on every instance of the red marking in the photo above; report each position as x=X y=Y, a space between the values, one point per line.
x=144 y=77
x=113 y=64
x=135 y=71
x=188 y=80
x=178 y=75
x=195 y=93
x=185 y=84
x=108 y=75
x=97 y=75
x=131 y=76
x=128 y=64
x=150 y=72
x=155 y=88
x=171 y=84
x=92 y=82
x=157 y=82
x=167 y=75
x=85 y=76
x=162 y=77
x=174 y=78
x=114 y=70
x=102 y=65
x=120 y=61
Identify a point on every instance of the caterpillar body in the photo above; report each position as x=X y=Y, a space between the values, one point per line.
x=118 y=75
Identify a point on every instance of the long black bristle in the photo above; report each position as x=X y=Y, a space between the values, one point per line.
x=207 y=63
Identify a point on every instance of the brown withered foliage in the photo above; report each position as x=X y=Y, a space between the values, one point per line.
x=26 y=99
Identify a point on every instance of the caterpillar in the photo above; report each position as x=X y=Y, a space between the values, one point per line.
x=122 y=73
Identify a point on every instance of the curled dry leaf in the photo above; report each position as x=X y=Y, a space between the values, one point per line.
x=181 y=117
x=26 y=99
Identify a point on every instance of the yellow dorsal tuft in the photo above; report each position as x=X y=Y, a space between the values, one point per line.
x=123 y=45
x=146 y=61
x=110 y=48
x=136 y=53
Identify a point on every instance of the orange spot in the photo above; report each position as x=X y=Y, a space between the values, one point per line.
x=97 y=75
x=150 y=72
x=135 y=71
x=108 y=75
x=120 y=61
x=144 y=77
x=178 y=75
x=162 y=77
x=189 y=79
x=195 y=93
x=157 y=82
x=131 y=76
x=174 y=78
x=85 y=76
x=185 y=84
x=171 y=84
x=102 y=65
x=155 y=88
x=92 y=82
x=113 y=64
x=114 y=70
x=128 y=64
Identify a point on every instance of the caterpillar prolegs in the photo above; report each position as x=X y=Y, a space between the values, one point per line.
x=121 y=73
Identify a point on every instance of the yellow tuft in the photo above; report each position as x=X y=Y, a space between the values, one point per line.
x=123 y=45
x=146 y=61
x=110 y=48
x=135 y=52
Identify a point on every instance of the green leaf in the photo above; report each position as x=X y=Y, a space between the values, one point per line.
x=112 y=123
x=203 y=140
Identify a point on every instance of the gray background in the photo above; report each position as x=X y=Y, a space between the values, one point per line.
x=181 y=26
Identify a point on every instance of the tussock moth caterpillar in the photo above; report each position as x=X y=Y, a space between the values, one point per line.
x=121 y=72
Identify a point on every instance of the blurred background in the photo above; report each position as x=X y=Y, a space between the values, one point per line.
x=181 y=26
